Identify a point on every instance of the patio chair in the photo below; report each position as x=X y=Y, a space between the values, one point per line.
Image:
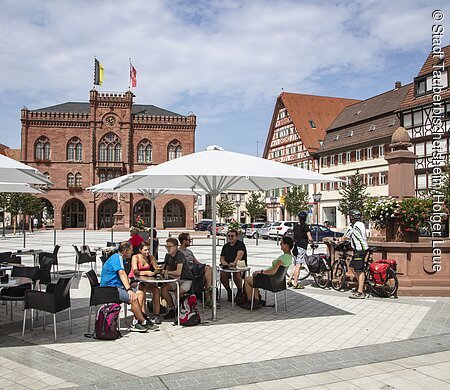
x=45 y=265
x=101 y=295
x=54 y=256
x=275 y=283
x=8 y=257
x=56 y=298
x=17 y=294
x=198 y=284
x=82 y=258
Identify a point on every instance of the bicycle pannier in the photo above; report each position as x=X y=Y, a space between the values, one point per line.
x=314 y=263
x=378 y=271
x=392 y=263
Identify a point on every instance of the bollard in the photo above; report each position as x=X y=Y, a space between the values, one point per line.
x=257 y=237
x=84 y=236
x=23 y=231
x=278 y=238
x=54 y=236
x=112 y=233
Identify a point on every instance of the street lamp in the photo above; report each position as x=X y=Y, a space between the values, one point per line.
x=237 y=203
x=273 y=202
x=316 y=198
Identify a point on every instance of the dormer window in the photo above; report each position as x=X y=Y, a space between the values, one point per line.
x=424 y=85
x=350 y=133
x=336 y=137
x=372 y=127
x=312 y=124
x=358 y=112
x=391 y=122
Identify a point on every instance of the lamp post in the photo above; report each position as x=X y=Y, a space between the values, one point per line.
x=316 y=198
x=3 y=211
x=237 y=203
x=273 y=202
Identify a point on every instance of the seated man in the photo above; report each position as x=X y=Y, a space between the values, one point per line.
x=285 y=260
x=113 y=274
x=194 y=264
x=176 y=266
x=232 y=252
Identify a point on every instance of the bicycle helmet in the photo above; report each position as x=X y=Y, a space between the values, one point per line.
x=355 y=214
x=302 y=215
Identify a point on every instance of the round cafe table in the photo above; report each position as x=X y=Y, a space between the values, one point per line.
x=161 y=280
x=232 y=271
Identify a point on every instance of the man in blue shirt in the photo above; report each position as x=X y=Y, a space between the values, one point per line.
x=113 y=274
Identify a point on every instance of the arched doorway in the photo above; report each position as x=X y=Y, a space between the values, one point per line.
x=174 y=214
x=74 y=214
x=106 y=212
x=143 y=209
x=47 y=215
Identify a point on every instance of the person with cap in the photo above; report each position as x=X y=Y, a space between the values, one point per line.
x=302 y=235
x=356 y=234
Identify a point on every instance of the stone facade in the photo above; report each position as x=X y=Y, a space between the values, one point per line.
x=81 y=144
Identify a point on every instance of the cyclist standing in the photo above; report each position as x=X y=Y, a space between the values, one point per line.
x=302 y=235
x=356 y=234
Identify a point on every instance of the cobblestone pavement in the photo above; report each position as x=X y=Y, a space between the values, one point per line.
x=321 y=335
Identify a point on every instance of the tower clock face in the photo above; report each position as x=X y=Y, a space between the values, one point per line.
x=110 y=121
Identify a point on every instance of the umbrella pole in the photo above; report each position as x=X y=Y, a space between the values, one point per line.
x=152 y=216
x=214 y=242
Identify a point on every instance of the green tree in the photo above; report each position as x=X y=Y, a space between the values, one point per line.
x=32 y=206
x=296 y=200
x=225 y=208
x=353 y=195
x=255 y=205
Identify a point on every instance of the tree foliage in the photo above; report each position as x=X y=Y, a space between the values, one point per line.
x=353 y=195
x=225 y=208
x=255 y=205
x=296 y=200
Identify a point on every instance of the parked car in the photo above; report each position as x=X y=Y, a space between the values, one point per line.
x=323 y=232
x=221 y=229
x=253 y=229
x=280 y=227
x=202 y=225
x=264 y=231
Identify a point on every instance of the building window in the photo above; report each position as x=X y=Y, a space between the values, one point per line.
x=340 y=156
x=369 y=153
x=75 y=150
x=382 y=178
x=370 y=179
x=358 y=155
x=102 y=177
x=348 y=157
x=424 y=85
x=381 y=150
x=71 y=180
x=372 y=127
x=110 y=148
x=174 y=150
x=42 y=149
x=145 y=151
x=324 y=161
x=78 y=180
x=332 y=160
x=312 y=124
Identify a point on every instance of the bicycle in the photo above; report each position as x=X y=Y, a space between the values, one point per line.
x=390 y=286
x=339 y=267
x=322 y=278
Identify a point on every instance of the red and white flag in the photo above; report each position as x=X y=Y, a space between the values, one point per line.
x=133 y=74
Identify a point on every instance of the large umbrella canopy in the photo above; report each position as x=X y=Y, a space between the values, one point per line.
x=12 y=171
x=216 y=170
x=152 y=193
x=20 y=187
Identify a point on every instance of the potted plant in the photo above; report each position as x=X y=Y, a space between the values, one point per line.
x=379 y=212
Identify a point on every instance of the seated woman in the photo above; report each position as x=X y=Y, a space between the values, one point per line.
x=143 y=264
x=285 y=260
x=135 y=239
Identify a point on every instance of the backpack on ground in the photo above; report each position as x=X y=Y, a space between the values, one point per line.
x=189 y=315
x=106 y=324
x=378 y=271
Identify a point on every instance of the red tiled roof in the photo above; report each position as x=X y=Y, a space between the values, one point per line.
x=322 y=110
x=412 y=101
x=13 y=153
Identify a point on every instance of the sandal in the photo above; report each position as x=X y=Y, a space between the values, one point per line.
x=298 y=287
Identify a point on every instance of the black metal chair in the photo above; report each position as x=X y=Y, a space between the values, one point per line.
x=198 y=284
x=8 y=257
x=17 y=294
x=101 y=295
x=45 y=265
x=82 y=258
x=275 y=283
x=54 y=256
x=56 y=298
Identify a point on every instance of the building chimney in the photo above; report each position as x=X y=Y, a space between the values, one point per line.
x=398 y=84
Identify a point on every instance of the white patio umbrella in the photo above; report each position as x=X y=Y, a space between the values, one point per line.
x=20 y=187
x=216 y=170
x=12 y=171
x=151 y=193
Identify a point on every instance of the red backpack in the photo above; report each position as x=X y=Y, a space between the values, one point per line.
x=106 y=325
x=189 y=315
x=378 y=271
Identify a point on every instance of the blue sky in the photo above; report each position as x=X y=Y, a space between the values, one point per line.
x=226 y=61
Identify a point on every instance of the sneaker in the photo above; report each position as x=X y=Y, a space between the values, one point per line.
x=135 y=321
x=151 y=326
x=248 y=305
x=230 y=295
x=169 y=315
x=157 y=320
x=357 y=296
x=138 y=328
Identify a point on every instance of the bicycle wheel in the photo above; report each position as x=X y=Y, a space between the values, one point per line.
x=322 y=279
x=304 y=272
x=389 y=288
x=338 y=276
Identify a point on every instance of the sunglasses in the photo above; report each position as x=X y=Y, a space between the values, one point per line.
x=231 y=235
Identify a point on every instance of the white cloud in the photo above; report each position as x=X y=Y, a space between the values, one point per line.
x=211 y=57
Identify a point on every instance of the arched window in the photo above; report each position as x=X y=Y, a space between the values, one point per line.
x=174 y=150
x=102 y=177
x=110 y=148
x=70 y=180
x=42 y=149
x=144 y=151
x=78 y=179
x=74 y=150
